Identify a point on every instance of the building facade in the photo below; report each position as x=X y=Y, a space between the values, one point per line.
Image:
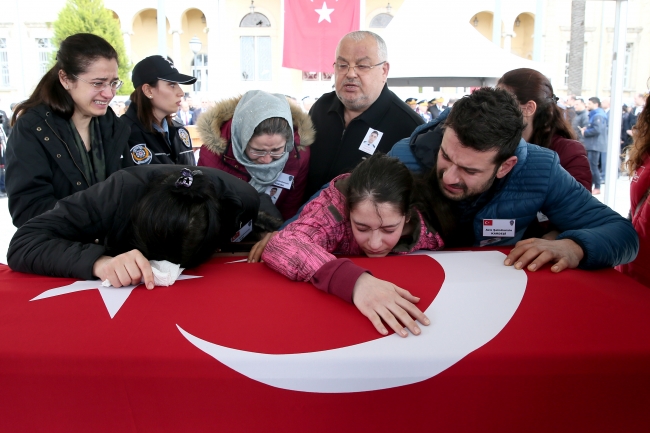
x=241 y=41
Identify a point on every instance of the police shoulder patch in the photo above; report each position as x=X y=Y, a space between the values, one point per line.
x=141 y=154
x=185 y=137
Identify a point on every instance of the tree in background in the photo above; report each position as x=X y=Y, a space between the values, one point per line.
x=90 y=16
x=576 y=47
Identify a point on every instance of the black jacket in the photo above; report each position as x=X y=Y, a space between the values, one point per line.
x=152 y=148
x=43 y=162
x=67 y=241
x=336 y=148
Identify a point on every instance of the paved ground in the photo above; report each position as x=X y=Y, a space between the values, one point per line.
x=622 y=206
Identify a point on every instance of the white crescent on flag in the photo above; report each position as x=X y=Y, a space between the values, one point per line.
x=477 y=299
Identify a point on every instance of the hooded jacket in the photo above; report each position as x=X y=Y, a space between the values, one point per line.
x=44 y=164
x=215 y=130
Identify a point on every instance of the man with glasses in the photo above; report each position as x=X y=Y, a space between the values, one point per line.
x=361 y=102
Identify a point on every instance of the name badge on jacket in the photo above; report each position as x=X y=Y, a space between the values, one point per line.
x=284 y=181
x=499 y=228
x=242 y=232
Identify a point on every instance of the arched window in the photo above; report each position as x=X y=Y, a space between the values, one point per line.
x=255 y=51
x=200 y=71
x=44 y=46
x=381 y=21
x=255 y=19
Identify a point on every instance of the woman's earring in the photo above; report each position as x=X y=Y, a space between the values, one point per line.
x=150 y=96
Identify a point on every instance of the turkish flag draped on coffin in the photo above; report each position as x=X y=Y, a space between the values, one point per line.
x=312 y=28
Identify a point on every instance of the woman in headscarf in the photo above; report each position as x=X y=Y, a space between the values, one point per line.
x=263 y=139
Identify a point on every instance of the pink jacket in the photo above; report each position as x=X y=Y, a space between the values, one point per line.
x=306 y=245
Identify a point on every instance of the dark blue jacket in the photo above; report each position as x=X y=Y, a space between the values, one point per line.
x=596 y=132
x=538 y=183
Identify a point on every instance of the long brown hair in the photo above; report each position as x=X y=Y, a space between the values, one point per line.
x=640 y=147
x=75 y=55
x=549 y=120
x=144 y=107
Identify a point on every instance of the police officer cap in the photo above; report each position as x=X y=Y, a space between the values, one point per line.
x=154 y=68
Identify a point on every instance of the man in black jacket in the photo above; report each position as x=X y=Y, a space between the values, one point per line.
x=360 y=104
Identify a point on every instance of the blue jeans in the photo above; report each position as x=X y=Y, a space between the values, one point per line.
x=594 y=156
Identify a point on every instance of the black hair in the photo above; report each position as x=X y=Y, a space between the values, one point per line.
x=488 y=119
x=595 y=100
x=383 y=179
x=75 y=55
x=436 y=209
x=549 y=120
x=179 y=224
x=272 y=126
x=380 y=179
x=144 y=108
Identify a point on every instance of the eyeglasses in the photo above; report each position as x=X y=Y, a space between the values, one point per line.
x=101 y=86
x=262 y=153
x=359 y=69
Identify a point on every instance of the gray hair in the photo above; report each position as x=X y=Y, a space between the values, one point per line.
x=358 y=36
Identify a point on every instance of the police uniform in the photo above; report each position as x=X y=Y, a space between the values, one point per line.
x=160 y=147
x=169 y=144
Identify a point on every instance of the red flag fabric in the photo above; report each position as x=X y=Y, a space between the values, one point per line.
x=312 y=28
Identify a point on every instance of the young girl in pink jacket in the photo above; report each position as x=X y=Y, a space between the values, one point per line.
x=367 y=212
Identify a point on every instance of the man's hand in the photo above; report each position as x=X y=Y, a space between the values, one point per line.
x=257 y=250
x=124 y=270
x=378 y=299
x=535 y=253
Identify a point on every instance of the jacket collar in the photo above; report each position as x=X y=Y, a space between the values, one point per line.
x=373 y=115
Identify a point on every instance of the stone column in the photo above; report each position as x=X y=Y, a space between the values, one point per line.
x=507 y=40
x=126 y=35
x=176 y=46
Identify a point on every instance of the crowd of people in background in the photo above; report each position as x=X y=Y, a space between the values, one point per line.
x=97 y=187
x=590 y=121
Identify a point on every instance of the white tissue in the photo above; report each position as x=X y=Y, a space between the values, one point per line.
x=164 y=273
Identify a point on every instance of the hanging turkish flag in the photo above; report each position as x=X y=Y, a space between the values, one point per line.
x=313 y=28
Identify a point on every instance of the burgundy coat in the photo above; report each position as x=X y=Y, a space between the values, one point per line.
x=573 y=158
x=214 y=128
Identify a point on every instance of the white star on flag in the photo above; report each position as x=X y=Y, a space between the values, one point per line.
x=324 y=13
x=113 y=297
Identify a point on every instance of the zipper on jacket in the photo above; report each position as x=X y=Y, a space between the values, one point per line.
x=69 y=153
